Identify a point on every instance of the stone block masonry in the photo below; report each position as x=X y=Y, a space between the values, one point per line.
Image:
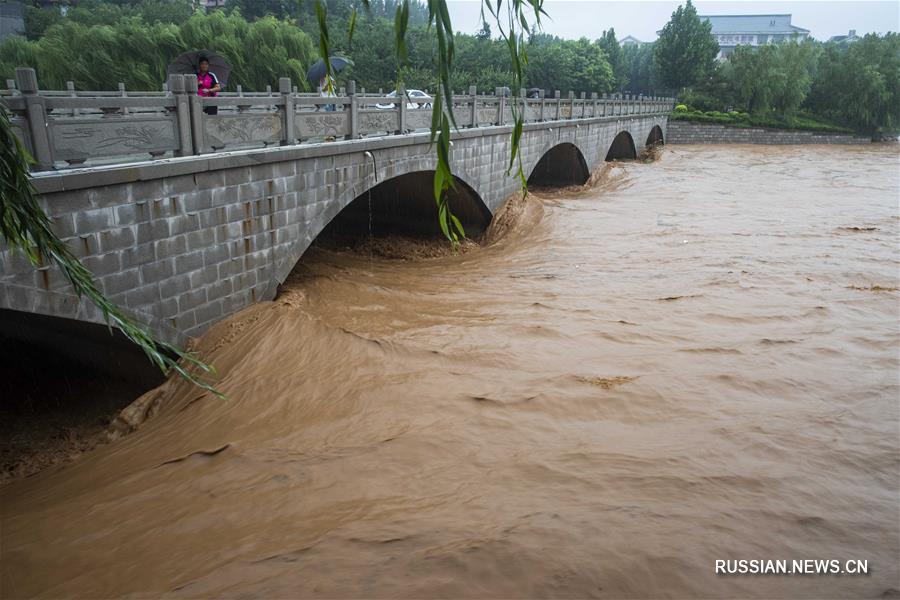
x=688 y=132
x=183 y=242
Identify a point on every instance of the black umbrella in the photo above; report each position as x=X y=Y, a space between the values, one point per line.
x=189 y=64
x=317 y=72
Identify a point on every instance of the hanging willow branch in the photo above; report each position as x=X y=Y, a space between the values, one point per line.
x=26 y=228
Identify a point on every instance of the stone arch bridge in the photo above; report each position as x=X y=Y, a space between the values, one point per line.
x=228 y=203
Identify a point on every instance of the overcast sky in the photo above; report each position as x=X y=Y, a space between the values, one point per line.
x=643 y=18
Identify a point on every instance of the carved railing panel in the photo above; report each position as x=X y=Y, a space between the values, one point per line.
x=419 y=118
x=76 y=140
x=242 y=130
x=487 y=115
x=378 y=121
x=321 y=124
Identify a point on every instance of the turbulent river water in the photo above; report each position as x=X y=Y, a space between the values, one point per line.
x=695 y=359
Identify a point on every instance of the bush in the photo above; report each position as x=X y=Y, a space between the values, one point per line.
x=681 y=108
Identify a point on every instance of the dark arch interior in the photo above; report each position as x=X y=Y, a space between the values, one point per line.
x=404 y=206
x=655 y=137
x=61 y=383
x=562 y=165
x=622 y=147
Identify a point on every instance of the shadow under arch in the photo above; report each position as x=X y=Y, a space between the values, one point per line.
x=561 y=165
x=655 y=137
x=404 y=206
x=622 y=147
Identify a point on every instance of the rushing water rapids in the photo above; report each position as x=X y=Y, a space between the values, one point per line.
x=695 y=359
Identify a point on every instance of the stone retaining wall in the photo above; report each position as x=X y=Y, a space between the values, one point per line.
x=687 y=132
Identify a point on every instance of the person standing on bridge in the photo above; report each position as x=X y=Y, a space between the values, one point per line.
x=207 y=84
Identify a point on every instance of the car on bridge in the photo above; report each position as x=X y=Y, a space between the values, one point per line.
x=417 y=99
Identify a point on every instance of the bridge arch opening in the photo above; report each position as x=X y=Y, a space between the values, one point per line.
x=560 y=166
x=656 y=137
x=404 y=206
x=622 y=147
x=62 y=382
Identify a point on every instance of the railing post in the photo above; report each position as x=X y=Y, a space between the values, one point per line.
x=70 y=87
x=354 y=110
x=501 y=104
x=594 y=101
x=401 y=95
x=543 y=99
x=123 y=94
x=284 y=88
x=571 y=104
x=182 y=115
x=190 y=88
x=36 y=111
x=523 y=99
x=473 y=98
x=11 y=84
x=558 y=97
x=582 y=97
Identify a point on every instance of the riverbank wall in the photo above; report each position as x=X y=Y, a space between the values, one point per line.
x=689 y=132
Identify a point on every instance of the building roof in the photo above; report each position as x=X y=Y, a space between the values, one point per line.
x=630 y=39
x=851 y=37
x=777 y=24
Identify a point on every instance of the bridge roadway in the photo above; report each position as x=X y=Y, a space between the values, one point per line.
x=201 y=232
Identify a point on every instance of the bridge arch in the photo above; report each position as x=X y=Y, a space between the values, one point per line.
x=404 y=205
x=622 y=147
x=381 y=171
x=400 y=205
x=561 y=165
x=655 y=136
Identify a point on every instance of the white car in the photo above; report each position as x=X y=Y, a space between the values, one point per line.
x=417 y=99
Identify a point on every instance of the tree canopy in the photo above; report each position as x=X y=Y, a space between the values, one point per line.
x=685 y=50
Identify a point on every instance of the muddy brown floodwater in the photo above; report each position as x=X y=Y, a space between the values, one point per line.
x=693 y=360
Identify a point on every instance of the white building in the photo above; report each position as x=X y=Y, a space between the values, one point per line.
x=752 y=30
x=630 y=40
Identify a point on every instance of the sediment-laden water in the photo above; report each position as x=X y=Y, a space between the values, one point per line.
x=695 y=359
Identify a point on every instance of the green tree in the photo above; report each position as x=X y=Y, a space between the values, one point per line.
x=610 y=46
x=859 y=85
x=136 y=53
x=485 y=32
x=794 y=69
x=567 y=65
x=255 y=9
x=685 y=50
x=38 y=20
x=753 y=76
x=638 y=66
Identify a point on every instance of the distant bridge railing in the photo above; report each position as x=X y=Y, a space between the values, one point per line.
x=64 y=129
